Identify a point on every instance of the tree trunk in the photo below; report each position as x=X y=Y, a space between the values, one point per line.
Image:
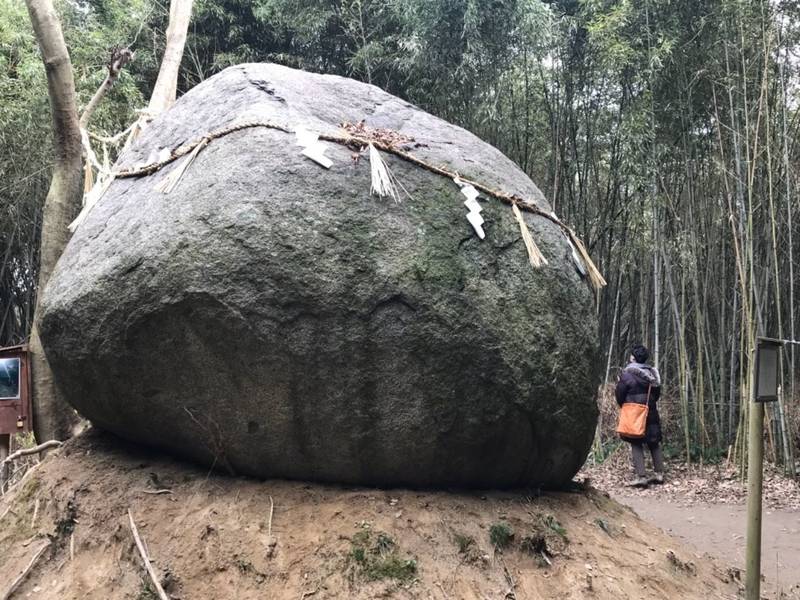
x=165 y=90
x=53 y=417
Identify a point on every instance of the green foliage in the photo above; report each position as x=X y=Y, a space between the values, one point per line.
x=146 y=591
x=551 y=522
x=376 y=556
x=24 y=165
x=465 y=543
x=533 y=544
x=26 y=439
x=603 y=525
x=244 y=567
x=501 y=535
x=90 y=36
x=606 y=449
x=384 y=544
x=545 y=539
x=28 y=490
x=390 y=567
x=360 y=555
x=26 y=134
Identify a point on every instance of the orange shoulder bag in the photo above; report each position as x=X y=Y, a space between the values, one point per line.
x=633 y=418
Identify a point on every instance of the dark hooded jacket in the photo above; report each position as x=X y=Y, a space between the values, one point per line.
x=634 y=382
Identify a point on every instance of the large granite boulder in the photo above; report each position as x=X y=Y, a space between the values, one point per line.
x=273 y=317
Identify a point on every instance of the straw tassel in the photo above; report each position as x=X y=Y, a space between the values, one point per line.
x=88 y=178
x=166 y=185
x=383 y=182
x=535 y=255
x=595 y=277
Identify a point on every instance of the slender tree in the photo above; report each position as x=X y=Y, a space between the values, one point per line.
x=53 y=418
x=165 y=90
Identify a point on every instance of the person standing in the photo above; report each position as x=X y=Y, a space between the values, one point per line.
x=637 y=383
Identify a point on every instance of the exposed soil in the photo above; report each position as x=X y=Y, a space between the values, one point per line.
x=215 y=536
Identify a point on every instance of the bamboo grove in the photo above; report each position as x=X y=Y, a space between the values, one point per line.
x=663 y=131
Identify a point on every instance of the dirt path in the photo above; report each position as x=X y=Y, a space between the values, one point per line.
x=719 y=530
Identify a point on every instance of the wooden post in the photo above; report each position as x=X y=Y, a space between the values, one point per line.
x=765 y=372
x=755 y=465
x=764 y=377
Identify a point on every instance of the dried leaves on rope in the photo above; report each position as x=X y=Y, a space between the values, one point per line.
x=386 y=137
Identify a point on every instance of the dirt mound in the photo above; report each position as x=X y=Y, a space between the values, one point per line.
x=214 y=536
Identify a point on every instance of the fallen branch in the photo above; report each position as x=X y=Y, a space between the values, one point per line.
x=441 y=587
x=511 y=593
x=148 y=567
x=35 y=513
x=114 y=139
x=28 y=451
x=155 y=492
x=269 y=524
x=18 y=581
x=271 y=541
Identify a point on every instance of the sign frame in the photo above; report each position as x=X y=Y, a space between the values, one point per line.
x=771 y=345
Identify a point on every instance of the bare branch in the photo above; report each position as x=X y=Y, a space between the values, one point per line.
x=120 y=57
x=140 y=546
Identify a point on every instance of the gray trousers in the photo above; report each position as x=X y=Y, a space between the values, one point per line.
x=637 y=454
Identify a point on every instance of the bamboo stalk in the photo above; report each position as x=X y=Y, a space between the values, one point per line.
x=790 y=231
